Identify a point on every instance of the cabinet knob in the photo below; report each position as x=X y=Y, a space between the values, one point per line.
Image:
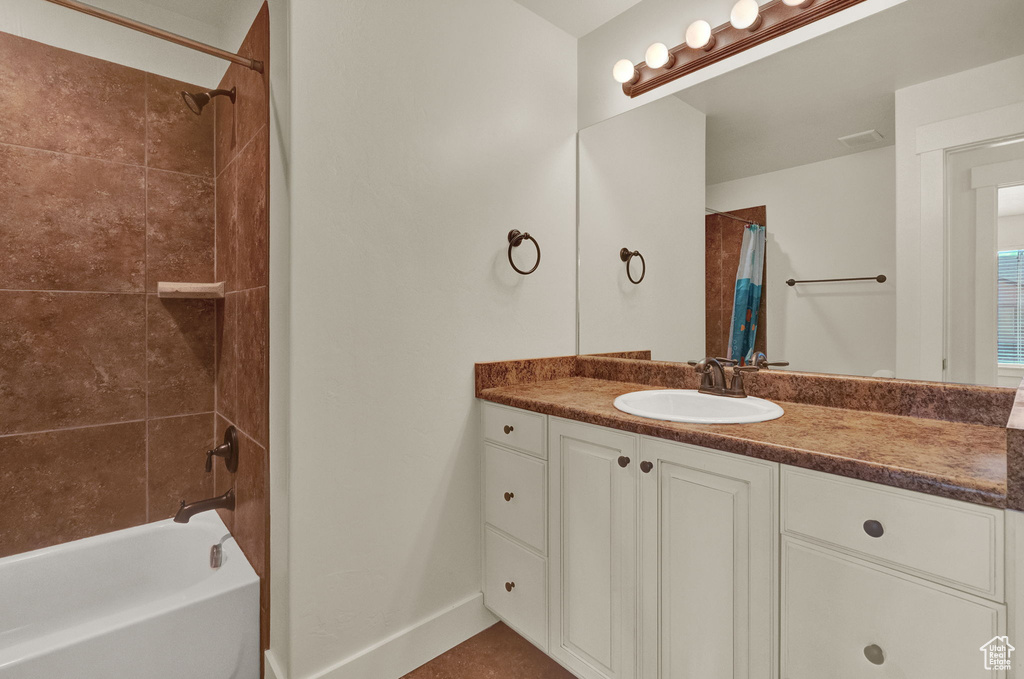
x=509 y=429
x=874 y=528
x=509 y=586
x=623 y=461
x=509 y=496
x=874 y=654
x=646 y=467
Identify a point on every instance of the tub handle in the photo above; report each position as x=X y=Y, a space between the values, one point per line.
x=228 y=450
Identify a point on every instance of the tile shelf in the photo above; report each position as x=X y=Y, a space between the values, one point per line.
x=190 y=290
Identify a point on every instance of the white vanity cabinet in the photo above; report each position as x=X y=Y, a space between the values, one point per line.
x=630 y=557
x=593 y=547
x=663 y=558
x=887 y=583
x=709 y=563
x=515 y=519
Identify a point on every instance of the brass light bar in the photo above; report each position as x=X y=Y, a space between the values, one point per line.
x=776 y=19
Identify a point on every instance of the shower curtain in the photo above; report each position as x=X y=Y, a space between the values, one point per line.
x=747 y=300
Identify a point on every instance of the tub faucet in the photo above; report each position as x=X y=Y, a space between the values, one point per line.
x=187 y=511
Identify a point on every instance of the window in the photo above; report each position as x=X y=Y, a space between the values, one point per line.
x=1011 y=307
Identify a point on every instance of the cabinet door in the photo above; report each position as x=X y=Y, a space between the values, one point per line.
x=845 y=619
x=709 y=555
x=593 y=545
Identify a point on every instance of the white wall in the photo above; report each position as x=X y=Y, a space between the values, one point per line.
x=278 y=656
x=972 y=91
x=65 y=28
x=641 y=183
x=628 y=35
x=407 y=172
x=832 y=219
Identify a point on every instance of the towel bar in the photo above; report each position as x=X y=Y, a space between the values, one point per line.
x=880 y=279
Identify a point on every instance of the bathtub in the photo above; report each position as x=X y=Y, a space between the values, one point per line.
x=140 y=603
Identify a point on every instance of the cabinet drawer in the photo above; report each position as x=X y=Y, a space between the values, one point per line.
x=515 y=428
x=515 y=587
x=952 y=542
x=515 y=495
x=846 y=619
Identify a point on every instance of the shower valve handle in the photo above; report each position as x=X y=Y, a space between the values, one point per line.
x=228 y=450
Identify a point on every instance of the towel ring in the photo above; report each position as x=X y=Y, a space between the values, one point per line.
x=515 y=239
x=626 y=255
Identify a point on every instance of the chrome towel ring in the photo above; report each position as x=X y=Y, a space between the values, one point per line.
x=626 y=255
x=515 y=239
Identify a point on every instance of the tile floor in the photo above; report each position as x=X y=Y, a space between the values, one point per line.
x=495 y=653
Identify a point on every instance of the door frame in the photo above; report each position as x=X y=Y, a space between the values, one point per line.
x=933 y=143
x=986 y=180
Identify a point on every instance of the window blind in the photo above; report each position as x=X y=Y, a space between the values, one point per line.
x=1011 y=307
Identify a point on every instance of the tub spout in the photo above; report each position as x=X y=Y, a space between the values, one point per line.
x=187 y=511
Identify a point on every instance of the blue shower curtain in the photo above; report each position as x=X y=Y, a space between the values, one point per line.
x=747 y=301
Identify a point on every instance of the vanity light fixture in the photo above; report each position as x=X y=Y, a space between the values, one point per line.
x=746 y=14
x=750 y=24
x=625 y=72
x=658 y=56
x=699 y=36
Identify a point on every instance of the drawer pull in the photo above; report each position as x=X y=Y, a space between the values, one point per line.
x=509 y=429
x=509 y=496
x=509 y=586
x=874 y=654
x=623 y=461
x=874 y=529
x=646 y=467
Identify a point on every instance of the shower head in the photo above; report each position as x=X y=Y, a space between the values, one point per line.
x=198 y=100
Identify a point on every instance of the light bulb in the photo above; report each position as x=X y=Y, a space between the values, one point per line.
x=698 y=36
x=624 y=71
x=746 y=14
x=658 y=56
x=798 y=3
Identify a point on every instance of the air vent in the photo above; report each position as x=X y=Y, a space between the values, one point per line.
x=861 y=139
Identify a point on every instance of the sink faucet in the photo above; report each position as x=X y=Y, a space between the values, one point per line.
x=712 y=374
x=187 y=511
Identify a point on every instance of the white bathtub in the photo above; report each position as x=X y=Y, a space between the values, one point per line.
x=141 y=603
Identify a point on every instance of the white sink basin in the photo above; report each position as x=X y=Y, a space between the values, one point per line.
x=687 y=405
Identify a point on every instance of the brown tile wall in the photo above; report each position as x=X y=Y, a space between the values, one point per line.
x=107 y=393
x=243 y=324
x=723 y=240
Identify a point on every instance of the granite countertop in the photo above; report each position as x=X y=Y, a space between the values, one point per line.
x=949 y=459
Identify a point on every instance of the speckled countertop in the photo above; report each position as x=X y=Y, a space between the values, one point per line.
x=949 y=459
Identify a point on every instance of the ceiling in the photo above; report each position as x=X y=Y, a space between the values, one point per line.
x=1011 y=201
x=575 y=17
x=789 y=109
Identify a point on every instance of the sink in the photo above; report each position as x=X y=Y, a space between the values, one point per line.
x=688 y=405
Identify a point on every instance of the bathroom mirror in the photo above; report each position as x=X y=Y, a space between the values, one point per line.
x=890 y=150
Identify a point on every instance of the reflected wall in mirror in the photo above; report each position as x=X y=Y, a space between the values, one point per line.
x=881 y=148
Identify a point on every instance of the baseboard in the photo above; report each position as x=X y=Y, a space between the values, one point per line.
x=271 y=670
x=403 y=652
